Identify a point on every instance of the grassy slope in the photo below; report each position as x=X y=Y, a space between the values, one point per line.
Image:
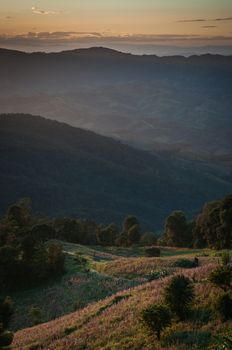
x=110 y=270
x=112 y=322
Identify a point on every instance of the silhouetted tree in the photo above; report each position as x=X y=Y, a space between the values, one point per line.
x=177 y=232
x=156 y=317
x=179 y=295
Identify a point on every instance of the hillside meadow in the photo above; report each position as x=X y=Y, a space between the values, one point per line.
x=109 y=293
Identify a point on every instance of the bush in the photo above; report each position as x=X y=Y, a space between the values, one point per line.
x=35 y=315
x=185 y=263
x=155 y=275
x=79 y=259
x=6 y=311
x=225 y=258
x=193 y=340
x=35 y=346
x=221 y=277
x=6 y=338
x=156 y=317
x=152 y=252
x=69 y=330
x=223 y=305
x=148 y=239
x=179 y=295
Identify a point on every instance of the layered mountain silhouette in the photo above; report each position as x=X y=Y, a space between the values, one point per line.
x=70 y=171
x=176 y=104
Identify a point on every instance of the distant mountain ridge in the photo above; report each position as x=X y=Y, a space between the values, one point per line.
x=70 y=171
x=176 y=104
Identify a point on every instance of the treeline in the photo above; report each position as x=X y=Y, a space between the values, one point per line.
x=26 y=258
x=212 y=228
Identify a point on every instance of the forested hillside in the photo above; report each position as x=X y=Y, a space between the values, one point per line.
x=69 y=171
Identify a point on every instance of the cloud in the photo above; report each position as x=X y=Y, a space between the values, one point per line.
x=62 y=40
x=223 y=19
x=192 y=20
x=205 y=20
x=208 y=26
x=38 y=11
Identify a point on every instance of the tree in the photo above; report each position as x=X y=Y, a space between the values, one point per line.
x=222 y=277
x=179 y=295
x=6 y=311
x=131 y=229
x=35 y=315
x=134 y=234
x=213 y=227
x=148 y=238
x=122 y=240
x=156 y=317
x=177 y=232
x=107 y=236
x=56 y=258
x=128 y=222
x=223 y=305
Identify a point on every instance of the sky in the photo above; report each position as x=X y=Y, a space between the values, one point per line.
x=138 y=26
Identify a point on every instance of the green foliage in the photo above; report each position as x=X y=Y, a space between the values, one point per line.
x=107 y=236
x=6 y=311
x=223 y=305
x=222 y=341
x=185 y=263
x=213 y=227
x=35 y=314
x=69 y=330
x=177 y=231
x=152 y=252
x=56 y=258
x=129 y=222
x=133 y=234
x=156 y=318
x=122 y=240
x=79 y=259
x=179 y=295
x=222 y=277
x=191 y=339
x=6 y=338
x=147 y=239
x=24 y=258
x=155 y=275
x=225 y=256
x=35 y=346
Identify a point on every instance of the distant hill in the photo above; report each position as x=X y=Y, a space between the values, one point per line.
x=70 y=171
x=177 y=104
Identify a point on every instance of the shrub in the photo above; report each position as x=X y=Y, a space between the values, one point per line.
x=222 y=277
x=35 y=346
x=79 y=259
x=156 y=317
x=155 y=275
x=185 y=263
x=225 y=258
x=152 y=252
x=147 y=239
x=6 y=338
x=69 y=330
x=223 y=305
x=35 y=314
x=179 y=294
x=6 y=311
x=193 y=340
